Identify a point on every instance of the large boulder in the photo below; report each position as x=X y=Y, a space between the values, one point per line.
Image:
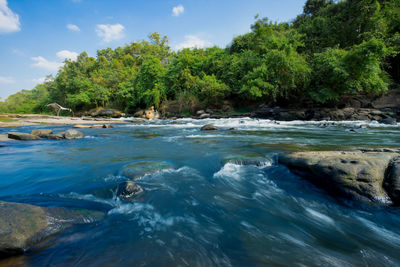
x=44 y=133
x=139 y=169
x=23 y=225
x=73 y=134
x=128 y=190
x=392 y=182
x=22 y=136
x=390 y=100
x=357 y=175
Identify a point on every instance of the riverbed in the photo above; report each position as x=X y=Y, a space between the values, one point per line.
x=208 y=208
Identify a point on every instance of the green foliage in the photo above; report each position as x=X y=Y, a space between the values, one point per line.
x=26 y=101
x=211 y=90
x=338 y=71
x=333 y=48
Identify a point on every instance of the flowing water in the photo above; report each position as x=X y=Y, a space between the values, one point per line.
x=204 y=210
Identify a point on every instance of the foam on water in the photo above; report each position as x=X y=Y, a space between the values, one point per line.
x=320 y=217
x=230 y=170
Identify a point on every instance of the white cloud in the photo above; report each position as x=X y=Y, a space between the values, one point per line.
x=39 y=80
x=66 y=54
x=9 y=21
x=43 y=63
x=73 y=27
x=110 y=32
x=192 y=41
x=6 y=80
x=177 y=10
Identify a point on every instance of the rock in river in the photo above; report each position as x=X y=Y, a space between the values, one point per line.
x=23 y=225
x=128 y=190
x=56 y=136
x=22 y=136
x=357 y=174
x=392 y=183
x=44 y=133
x=73 y=134
x=209 y=127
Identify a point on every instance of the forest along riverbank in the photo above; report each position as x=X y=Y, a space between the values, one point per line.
x=237 y=184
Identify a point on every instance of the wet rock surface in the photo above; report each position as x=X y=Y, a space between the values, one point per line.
x=73 y=134
x=209 y=127
x=128 y=190
x=392 y=182
x=43 y=133
x=357 y=174
x=22 y=136
x=24 y=225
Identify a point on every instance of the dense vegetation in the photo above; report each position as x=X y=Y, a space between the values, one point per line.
x=334 y=48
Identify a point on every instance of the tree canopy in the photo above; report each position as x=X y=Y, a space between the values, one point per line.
x=333 y=48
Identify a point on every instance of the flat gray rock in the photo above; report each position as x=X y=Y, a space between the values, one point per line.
x=355 y=174
x=22 y=136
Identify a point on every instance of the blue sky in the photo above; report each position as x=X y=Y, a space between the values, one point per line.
x=37 y=35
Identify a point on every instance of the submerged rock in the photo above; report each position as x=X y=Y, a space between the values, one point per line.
x=44 y=133
x=73 y=134
x=355 y=174
x=22 y=136
x=128 y=190
x=140 y=169
x=209 y=127
x=24 y=225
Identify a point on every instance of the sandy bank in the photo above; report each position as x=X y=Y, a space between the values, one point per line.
x=18 y=120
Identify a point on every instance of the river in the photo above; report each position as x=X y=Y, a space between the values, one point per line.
x=204 y=210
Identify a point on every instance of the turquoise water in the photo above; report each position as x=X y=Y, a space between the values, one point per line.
x=204 y=210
